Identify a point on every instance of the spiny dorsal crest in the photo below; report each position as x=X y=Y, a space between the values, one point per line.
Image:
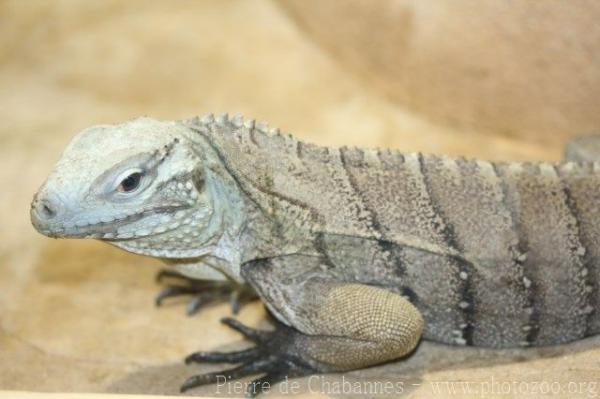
x=237 y=123
x=247 y=129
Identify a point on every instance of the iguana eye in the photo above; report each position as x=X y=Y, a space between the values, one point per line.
x=130 y=183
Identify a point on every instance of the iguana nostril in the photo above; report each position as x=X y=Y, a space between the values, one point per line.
x=46 y=210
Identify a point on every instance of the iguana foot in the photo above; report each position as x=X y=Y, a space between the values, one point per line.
x=276 y=356
x=204 y=292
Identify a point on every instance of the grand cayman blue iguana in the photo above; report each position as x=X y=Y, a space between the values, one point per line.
x=357 y=253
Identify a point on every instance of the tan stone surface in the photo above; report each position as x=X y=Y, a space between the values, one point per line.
x=78 y=316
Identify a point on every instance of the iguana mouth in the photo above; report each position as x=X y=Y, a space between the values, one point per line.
x=109 y=229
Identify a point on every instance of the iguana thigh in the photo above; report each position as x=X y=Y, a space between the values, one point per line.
x=342 y=325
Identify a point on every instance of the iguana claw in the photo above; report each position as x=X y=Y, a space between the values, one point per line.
x=274 y=356
x=204 y=292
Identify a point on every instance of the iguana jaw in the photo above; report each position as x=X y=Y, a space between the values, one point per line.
x=94 y=228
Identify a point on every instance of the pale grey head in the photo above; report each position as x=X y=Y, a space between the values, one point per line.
x=141 y=186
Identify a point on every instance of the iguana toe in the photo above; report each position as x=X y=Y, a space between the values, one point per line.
x=203 y=292
x=275 y=356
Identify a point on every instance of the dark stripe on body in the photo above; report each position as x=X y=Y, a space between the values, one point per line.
x=465 y=289
x=383 y=245
x=519 y=251
x=321 y=248
x=586 y=260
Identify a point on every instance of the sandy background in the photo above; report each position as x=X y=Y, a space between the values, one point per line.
x=498 y=80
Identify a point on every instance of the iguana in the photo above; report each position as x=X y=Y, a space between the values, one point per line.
x=357 y=253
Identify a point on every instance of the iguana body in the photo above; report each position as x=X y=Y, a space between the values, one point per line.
x=359 y=252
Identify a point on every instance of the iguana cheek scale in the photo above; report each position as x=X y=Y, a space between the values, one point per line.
x=357 y=253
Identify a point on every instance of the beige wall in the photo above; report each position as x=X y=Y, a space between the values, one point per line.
x=517 y=68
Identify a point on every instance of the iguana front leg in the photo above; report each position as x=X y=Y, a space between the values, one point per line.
x=329 y=325
x=203 y=280
x=202 y=292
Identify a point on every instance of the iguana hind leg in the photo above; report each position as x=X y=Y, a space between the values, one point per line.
x=331 y=326
x=203 y=292
x=583 y=148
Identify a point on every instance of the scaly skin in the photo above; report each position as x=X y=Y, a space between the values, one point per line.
x=357 y=253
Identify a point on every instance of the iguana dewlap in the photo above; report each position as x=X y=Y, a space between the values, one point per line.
x=359 y=253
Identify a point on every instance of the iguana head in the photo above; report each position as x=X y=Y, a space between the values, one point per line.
x=140 y=185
